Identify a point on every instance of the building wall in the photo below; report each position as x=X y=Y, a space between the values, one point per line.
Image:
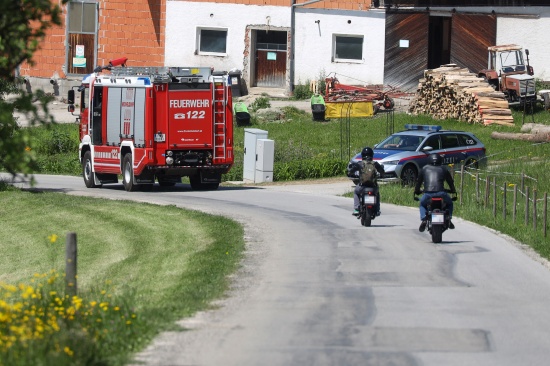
x=313 y=47
x=133 y=29
x=164 y=32
x=531 y=33
x=526 y=26
x=48 y=61
x=327 y=4
x=181 y=36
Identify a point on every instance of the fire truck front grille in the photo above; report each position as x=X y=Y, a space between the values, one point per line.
x=192 y=158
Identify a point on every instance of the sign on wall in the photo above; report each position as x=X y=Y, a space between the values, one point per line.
x=79 y=60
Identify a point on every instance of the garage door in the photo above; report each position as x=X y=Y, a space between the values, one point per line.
x=470 y=37
x=406 y=55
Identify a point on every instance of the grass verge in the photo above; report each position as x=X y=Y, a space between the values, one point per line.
x=152 y=264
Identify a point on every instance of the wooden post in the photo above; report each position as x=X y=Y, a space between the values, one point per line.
x=461 y=182
x=534 y=209
x=515 y=203
x=487 y=190
x=544 y=212
x=494 y=197
x=477 y=187
x=504 y=201
x=522 y=177
x=526 y=206
x=70 y=265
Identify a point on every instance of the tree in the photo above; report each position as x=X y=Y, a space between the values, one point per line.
x=23 y=25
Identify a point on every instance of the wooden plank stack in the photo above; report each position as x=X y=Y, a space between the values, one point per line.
x=451 y=91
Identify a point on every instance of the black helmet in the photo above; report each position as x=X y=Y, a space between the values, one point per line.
x=367 y=153
x=436 y=159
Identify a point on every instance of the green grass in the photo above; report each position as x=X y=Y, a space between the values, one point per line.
x=164 y=263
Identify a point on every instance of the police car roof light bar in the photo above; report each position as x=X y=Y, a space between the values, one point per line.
x=423 y=127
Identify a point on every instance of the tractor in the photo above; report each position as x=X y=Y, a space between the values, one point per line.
x=507 y=72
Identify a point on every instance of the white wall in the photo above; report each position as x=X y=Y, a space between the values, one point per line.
x=183 y=18
x=314 y=46
x=532 y=34
x=313 y=50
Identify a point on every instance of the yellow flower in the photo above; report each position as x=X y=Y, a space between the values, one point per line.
x=68 y=351
x=52 y=238
x=28 y=148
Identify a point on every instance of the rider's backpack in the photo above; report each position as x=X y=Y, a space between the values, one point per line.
x=368 y=172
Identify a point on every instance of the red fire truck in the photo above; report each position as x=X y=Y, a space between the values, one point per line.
x=154 y=123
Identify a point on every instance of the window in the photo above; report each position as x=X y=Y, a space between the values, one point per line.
x=82 y=37
x=466 y=140
x=449 y=141
x=212 y=40
x=433 y=142
x=348 y=47
x=82 y=17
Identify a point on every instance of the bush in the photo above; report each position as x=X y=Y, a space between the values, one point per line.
x=260 y=103
x=59 y=142
x=7 y=87
x=302 y=91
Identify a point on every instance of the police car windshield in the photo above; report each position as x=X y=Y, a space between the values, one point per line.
x=401 y=142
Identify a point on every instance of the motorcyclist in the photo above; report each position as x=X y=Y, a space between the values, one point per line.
x=367 y=155
x=434 y=176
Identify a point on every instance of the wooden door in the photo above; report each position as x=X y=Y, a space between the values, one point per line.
x=470 y=37
x=270 y=68
x=406 y=54
x=81 y=42
x=82 y=24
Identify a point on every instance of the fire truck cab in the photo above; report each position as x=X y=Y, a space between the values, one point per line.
x=154 y=124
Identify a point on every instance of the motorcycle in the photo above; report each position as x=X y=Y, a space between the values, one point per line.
x=367 y=206
x=437 y=216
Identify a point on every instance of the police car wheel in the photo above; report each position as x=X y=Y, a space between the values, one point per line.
x=409 y=175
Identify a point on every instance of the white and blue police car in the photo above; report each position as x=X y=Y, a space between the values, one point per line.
x=403 y=154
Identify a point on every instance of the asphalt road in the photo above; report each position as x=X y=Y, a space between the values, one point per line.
x=317 y=288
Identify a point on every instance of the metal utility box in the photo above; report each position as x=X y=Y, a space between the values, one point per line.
x=259 y=153
x=265 y=150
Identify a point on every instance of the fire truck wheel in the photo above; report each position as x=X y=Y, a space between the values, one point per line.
x=87 y=172
x=128 y=173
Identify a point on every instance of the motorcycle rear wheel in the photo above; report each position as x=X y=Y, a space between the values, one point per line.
x=437 y=233
x=366 y=218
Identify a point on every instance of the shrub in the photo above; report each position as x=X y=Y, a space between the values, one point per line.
x=261 y=102
x=302 y=91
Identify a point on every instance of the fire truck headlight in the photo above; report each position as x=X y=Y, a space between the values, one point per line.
x=169 y=160
x=169 y=153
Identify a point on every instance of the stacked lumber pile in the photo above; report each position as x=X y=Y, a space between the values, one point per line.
x=451 y=91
